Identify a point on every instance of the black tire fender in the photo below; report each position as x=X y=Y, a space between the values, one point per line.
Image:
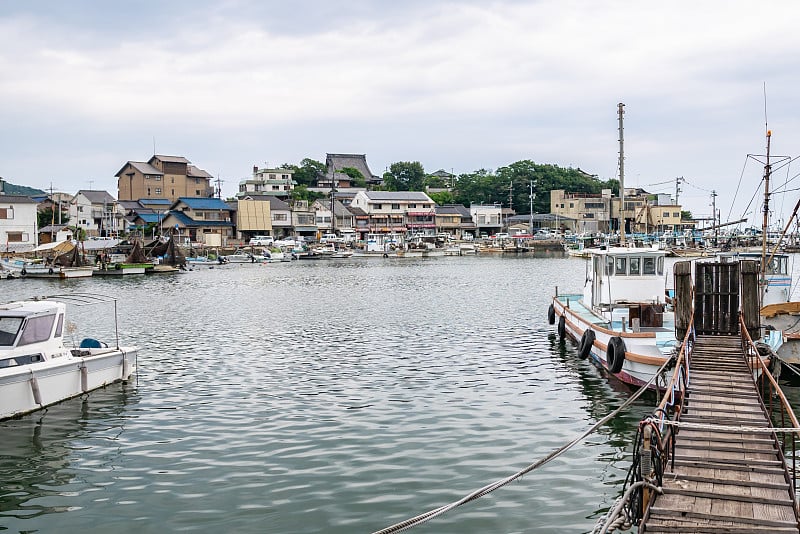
x=615 y=354
x=551 y=314
x=23 y=272
x=587 y=342
x=50 y=270
x=562 y=327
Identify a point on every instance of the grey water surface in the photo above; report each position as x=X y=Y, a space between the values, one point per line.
x=324 y=396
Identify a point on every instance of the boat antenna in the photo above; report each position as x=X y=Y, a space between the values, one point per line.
x=620 y=113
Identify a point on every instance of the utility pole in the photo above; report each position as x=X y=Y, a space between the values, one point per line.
x=765 y=224
x=530 y=224
x=678 y=189
x=510 y=199
x=620 y=113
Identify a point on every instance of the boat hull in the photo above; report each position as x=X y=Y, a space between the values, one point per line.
x=645 y=353
x=28 y=388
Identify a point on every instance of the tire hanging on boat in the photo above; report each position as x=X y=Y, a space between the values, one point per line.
x=562 y=327
x=587 y=341
x=551 y=314
x=615 y=354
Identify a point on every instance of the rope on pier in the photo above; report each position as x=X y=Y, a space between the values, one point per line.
x=427 y=516
x=727 y=428
x=618 y=517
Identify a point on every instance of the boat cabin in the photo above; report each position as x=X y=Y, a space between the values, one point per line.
x=627 y=284
x=31 y=332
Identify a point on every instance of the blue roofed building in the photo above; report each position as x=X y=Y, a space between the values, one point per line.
x=200 y=220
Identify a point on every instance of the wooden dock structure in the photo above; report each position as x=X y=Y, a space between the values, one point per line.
x=723 y=480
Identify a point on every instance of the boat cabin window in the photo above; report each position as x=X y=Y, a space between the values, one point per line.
x=9 y=326
x=621 y=266
x=20 y=360
x=635 y=266
x=60 y=325
x=777 y=266
x=660 y=265
x=649 y=266
x=37 y=329
x=609 y=265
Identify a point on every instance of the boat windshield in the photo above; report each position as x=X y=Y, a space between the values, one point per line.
x=9 y=326
x=37 y=329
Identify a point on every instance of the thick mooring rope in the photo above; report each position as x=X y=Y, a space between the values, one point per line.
x=427 y=516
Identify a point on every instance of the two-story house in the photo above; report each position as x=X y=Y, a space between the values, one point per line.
x=343 y=223
x=97 y=213
x=411 y=212
x=169 y=177
x=200 y=220
x=456 y=220
x=18 y=226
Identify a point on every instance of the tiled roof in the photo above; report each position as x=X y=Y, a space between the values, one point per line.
x=97 y=197
x=170 y=159
x=189 y=222
x=16 y=199
x=155 y=202
x=197 y=172
x=142 y=167
x=200 y=203
x=151 y=217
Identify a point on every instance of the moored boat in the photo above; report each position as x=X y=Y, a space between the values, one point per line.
x=621 y=320
x=37 y=370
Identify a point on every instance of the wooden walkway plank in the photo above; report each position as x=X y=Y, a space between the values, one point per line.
x=723 y=480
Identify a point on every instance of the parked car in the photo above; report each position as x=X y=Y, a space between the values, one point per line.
x=262 y=241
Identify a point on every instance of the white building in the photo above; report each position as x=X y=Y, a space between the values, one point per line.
x=275 y=182
x=397 y=211
x=487 y=218
x=97 y=213
x=18 y=223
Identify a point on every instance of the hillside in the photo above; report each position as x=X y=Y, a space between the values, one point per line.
x=11 y=189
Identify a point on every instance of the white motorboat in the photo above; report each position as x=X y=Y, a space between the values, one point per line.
x=37 y=369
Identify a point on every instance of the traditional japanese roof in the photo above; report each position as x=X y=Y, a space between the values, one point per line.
x=149 y=218
x=158 y=202
x=355 y=161
x=170 y=159
x=453 y=209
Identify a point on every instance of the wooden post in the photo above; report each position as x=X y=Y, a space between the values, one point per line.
x=646 y=453
x=683 y=297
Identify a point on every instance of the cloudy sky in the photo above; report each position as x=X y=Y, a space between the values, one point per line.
x=459 y=85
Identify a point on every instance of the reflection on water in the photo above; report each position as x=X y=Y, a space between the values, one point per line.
x=325 y=397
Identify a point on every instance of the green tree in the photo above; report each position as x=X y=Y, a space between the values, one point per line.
x=301 y=192
x=442 y=197
x=355 y=175
x=46 y=217
x=686 y=215
x=308 y=172
x=405 y=176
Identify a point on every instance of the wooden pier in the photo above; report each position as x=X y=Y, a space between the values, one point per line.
x=723 y=480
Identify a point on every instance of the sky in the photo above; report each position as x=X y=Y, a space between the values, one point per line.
x=457 y=85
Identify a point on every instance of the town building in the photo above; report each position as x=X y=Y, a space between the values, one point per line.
x=487 y=217
x=97 y=213
x=344 y=222
x=411 y=212
x=455 y=220
x=169 y=177
x=18 y=223
x=253 y=217
x=277 y=182
x=200 y=220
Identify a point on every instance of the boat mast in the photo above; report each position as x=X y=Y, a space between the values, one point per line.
x=620 y=113
x=765 y=223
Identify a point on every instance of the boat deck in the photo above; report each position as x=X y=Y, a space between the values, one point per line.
x=722 y=480
x=665 y=335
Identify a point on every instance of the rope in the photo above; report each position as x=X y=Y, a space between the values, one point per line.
x=617 y=517
x=427 y=516
x=727 y=428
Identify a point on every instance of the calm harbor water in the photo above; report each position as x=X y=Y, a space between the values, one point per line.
x=330 y=396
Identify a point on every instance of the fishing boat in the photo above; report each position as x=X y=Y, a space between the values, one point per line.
x=37 y=369
x=621 y=320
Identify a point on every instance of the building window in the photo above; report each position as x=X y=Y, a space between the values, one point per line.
x=158 y=190
x=677 y=214
x=148 y=194
x=14 y=237
x=571 y=205
x=197 y=192
x=279 y=217
x=412 y=205
x=158 y=178
x=378 y=206
x=6 y=213
x=395 y=206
